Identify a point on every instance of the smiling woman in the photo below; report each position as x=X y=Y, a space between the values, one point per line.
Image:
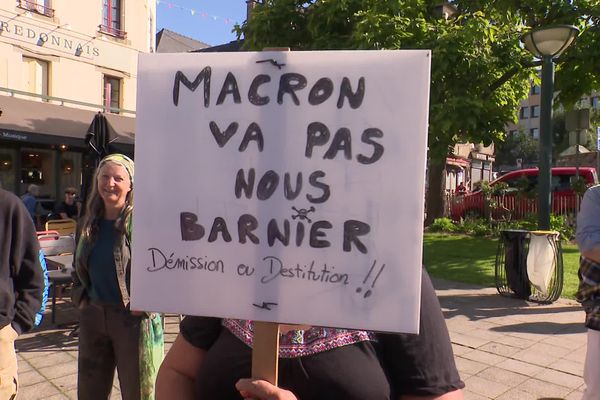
x=111 y=335
x=114 y=185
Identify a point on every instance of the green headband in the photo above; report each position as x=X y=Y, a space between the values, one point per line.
x=120 y=159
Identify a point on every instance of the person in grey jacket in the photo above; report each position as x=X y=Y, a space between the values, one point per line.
x=21 y=284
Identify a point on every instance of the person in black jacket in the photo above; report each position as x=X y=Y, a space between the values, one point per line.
x=21 y=284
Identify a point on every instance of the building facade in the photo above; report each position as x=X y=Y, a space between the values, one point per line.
x=61 y=62
x=529 y=112
x=470 y=163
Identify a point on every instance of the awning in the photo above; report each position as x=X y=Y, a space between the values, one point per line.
x=458 y=162
x=41 y=122
x=572 y=150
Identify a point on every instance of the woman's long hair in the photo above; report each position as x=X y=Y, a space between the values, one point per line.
x=95 y=206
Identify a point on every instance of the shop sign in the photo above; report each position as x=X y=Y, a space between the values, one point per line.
x=15 y=136
x=47 y=37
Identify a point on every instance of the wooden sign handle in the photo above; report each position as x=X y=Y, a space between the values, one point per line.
x=265 y=347
x=265 y=351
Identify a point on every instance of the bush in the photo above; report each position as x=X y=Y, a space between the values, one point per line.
x=442 y=225
x=475 y=227
x=558 y=223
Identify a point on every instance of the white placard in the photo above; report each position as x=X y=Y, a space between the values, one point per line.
x=282 y=186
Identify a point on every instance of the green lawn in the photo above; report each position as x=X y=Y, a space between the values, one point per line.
x=471 y=259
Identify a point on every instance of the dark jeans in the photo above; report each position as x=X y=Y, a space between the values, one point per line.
x=108 y=338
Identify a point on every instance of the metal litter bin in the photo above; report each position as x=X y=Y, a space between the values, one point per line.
x=529 y=265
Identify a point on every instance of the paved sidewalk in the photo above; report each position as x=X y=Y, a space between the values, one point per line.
x=505 y=348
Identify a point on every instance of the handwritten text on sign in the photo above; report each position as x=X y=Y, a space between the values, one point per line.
x=282 y=187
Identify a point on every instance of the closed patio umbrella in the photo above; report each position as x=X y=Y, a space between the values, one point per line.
x=98 y=140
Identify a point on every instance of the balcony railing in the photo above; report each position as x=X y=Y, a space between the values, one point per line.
x=112 y=31
x=31 y=5
x=62 y=102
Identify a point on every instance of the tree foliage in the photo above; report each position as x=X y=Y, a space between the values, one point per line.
x=479 y=73
x=518 y=146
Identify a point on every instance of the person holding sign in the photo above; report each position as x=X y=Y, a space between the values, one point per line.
x=110 y=334
x=211 y=359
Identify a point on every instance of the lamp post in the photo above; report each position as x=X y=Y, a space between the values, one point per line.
x=547 y=43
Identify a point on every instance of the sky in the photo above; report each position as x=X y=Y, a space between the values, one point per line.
x=209 y=21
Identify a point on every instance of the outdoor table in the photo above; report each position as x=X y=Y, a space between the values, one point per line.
x=59 y=274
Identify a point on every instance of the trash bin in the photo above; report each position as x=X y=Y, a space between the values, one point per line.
x=529 y=265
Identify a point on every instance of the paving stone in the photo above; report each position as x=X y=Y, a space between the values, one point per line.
x=467 y=340
x=535 y=357
x=468 y=366
x=115 y=395
x=517 y=394
x=577 y=355
x=575 y=395
x=503 y=376
x=468 y=395
x=520 y=367
x=571 y=342
x=51 y=359
x=544 y=389
x=460 y=349
x=486 y=387
x=500 y=349
x=33 y=354
x=59 y=397
x=30 y=377
x=483 y=357
x=556 y=351
x=560 y=378
x=66 y=383
x=23 y=366
x=487 y=335
x=39 y=391
x=59 y=370
x=514 y=341
x=568 y=366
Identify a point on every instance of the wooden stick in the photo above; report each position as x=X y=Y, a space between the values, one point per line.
x=265 y=351
x=265 y=347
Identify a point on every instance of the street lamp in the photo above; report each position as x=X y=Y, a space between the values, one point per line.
x=547 y=43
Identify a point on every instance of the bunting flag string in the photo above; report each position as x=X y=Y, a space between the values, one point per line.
x=193 y=12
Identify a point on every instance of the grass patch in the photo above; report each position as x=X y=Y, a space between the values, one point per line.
x=472 y=259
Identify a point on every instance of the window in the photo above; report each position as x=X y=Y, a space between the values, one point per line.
x=535 y=89
x=535 y=111
x=594 y=102
x=112 y=94
x=36 y=77
x=524 y=113
x=111 y=18
x=522 y=182
x=37 y=6
x=535 y=133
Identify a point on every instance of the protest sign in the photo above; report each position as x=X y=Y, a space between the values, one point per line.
x=282 y=186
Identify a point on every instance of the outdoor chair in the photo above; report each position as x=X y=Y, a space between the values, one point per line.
x=65 y=226
x=58 y=251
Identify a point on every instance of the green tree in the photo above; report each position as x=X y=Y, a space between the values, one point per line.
x=520 y=145
x=479 y=69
